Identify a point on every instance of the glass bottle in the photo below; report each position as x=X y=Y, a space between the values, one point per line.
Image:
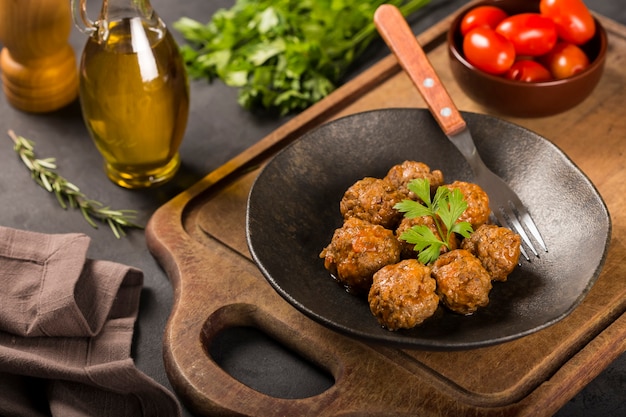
x=134 y=92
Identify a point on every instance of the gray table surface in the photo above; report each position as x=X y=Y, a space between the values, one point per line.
x=218 y=130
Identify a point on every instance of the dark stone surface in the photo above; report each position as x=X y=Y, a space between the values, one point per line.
x=218 y=130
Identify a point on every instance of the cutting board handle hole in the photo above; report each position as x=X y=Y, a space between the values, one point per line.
x=234 y=339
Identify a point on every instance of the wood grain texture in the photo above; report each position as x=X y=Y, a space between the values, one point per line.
x=39 y=71
x=199 y=239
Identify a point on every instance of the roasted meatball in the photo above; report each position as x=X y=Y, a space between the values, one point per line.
x=477 y=212
x=408 y=250
x=497 y=248
x=463 y=284
x=372 y=199
x=403 y=295
x=357 y=250
x=400 y=175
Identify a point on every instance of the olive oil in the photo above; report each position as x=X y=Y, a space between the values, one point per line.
x=135 y=101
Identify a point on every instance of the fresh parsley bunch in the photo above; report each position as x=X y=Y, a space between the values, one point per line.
x=284 y=55
x=445 y=209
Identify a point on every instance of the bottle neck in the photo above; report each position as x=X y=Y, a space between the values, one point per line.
x=114 y=10
x=139 y=12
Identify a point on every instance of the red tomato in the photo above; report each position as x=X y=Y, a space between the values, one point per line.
x=531 y=33
x=488 y=51
x=574 y=22
x=565 y=60
x=528 y=71
x=486 y=16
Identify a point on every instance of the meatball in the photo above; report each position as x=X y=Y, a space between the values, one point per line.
x=372 y=199
x=403 y=295
x=400 y=175
x=408 y=250
x=463 y=284
x=357 y=250
x=497 y=248
x=477 y=211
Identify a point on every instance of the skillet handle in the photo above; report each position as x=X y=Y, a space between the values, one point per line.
x=400 y=38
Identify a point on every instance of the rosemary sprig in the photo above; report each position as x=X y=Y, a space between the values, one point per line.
x=69 y=195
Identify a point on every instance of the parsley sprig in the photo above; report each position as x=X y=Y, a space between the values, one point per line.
x=69 y=195
x=283 y=55
x=445 y=209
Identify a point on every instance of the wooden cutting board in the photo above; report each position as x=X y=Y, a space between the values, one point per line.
x=199 y=239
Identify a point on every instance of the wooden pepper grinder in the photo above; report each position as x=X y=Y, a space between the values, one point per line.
x=39 y=71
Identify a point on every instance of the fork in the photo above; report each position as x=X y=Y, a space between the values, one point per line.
x=505 y=205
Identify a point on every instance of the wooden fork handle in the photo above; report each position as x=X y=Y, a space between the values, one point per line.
x=397 y=34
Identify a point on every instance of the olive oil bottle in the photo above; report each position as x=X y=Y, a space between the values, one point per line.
x=134 y=92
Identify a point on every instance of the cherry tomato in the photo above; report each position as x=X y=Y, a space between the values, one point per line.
x=529 y=71
x=574 y=22
x=565 y=60
x=486 y=16
x=531 y=33
x=488 y=51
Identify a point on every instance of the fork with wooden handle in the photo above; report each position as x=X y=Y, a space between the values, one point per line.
x=504 y=203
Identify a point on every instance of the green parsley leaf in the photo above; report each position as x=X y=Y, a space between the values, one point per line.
x=426 y=243
x=462 y=228
x=412 y=210
x=452 y=208
x=445 y=209
x=422 y=190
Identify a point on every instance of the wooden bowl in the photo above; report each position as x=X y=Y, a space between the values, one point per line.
x=522 y=99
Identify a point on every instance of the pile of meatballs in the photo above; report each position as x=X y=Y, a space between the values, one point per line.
x=367 y=256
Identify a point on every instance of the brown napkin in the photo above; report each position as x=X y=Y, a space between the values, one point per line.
x=66 y=326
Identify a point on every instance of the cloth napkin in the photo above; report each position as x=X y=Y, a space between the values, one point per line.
x=66 y=326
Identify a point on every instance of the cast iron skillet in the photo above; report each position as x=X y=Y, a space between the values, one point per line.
x=293 y=210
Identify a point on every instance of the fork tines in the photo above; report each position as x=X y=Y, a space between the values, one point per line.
x=512 y=217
